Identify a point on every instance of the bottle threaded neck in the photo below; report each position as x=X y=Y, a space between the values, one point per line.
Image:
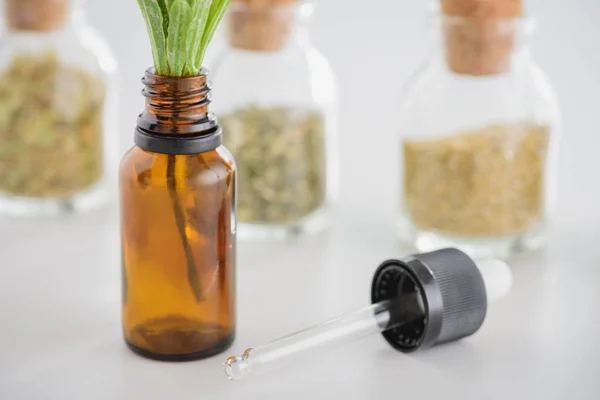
x=36 y=15
x=177 y=105
x=176 y=119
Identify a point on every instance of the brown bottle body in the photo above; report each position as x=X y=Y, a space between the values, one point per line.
x=178 y=250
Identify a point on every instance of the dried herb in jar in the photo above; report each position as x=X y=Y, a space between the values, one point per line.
x=50 y=127
x=484 y=182
x=280 y=158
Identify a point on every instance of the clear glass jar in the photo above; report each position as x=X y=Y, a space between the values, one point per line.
x=479 y=126
x=276 y=100
x=57 y=110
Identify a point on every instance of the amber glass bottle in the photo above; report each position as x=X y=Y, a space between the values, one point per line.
x=178 y=222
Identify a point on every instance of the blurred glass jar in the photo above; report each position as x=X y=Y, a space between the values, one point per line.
x=277 y=104
x=58 y=147
x=479 y=127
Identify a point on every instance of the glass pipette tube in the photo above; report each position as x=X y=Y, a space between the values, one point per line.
x=352 y=327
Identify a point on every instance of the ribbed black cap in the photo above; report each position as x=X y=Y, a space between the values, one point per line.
x=438 y=297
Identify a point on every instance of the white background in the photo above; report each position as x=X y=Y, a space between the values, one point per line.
x=59 y=279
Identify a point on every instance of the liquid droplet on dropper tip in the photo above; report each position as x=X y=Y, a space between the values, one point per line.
x=231 y=368
x=235 y=367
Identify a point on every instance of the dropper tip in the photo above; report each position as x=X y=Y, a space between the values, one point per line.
x=230 y=367
x=235 y=367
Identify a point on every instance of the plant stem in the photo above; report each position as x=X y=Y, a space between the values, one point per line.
x=180 y=222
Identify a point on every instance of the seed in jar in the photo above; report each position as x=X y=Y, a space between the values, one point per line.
x=489 y=181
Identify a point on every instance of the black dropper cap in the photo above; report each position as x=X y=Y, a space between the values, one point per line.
x=440 y=297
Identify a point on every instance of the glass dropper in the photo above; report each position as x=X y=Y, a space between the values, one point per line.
x=426 y=299
x=365 y=322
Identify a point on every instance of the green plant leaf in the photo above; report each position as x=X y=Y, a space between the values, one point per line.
x=217 y=11
x=154 y=24
x=179 y=18
x=180 y=32
x=200 y=12
x=164 y=9
x=169 y=4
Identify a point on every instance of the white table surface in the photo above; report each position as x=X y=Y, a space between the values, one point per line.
x=59 y=279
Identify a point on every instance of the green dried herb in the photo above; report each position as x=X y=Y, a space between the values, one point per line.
x=180 y=32
x=50 y=127
x=486 y=182
x=280 y=158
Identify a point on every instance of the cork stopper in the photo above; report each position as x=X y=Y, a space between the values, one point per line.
x=482 y=8
x=36 y=15
x=479 y=35
x=260 y=25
